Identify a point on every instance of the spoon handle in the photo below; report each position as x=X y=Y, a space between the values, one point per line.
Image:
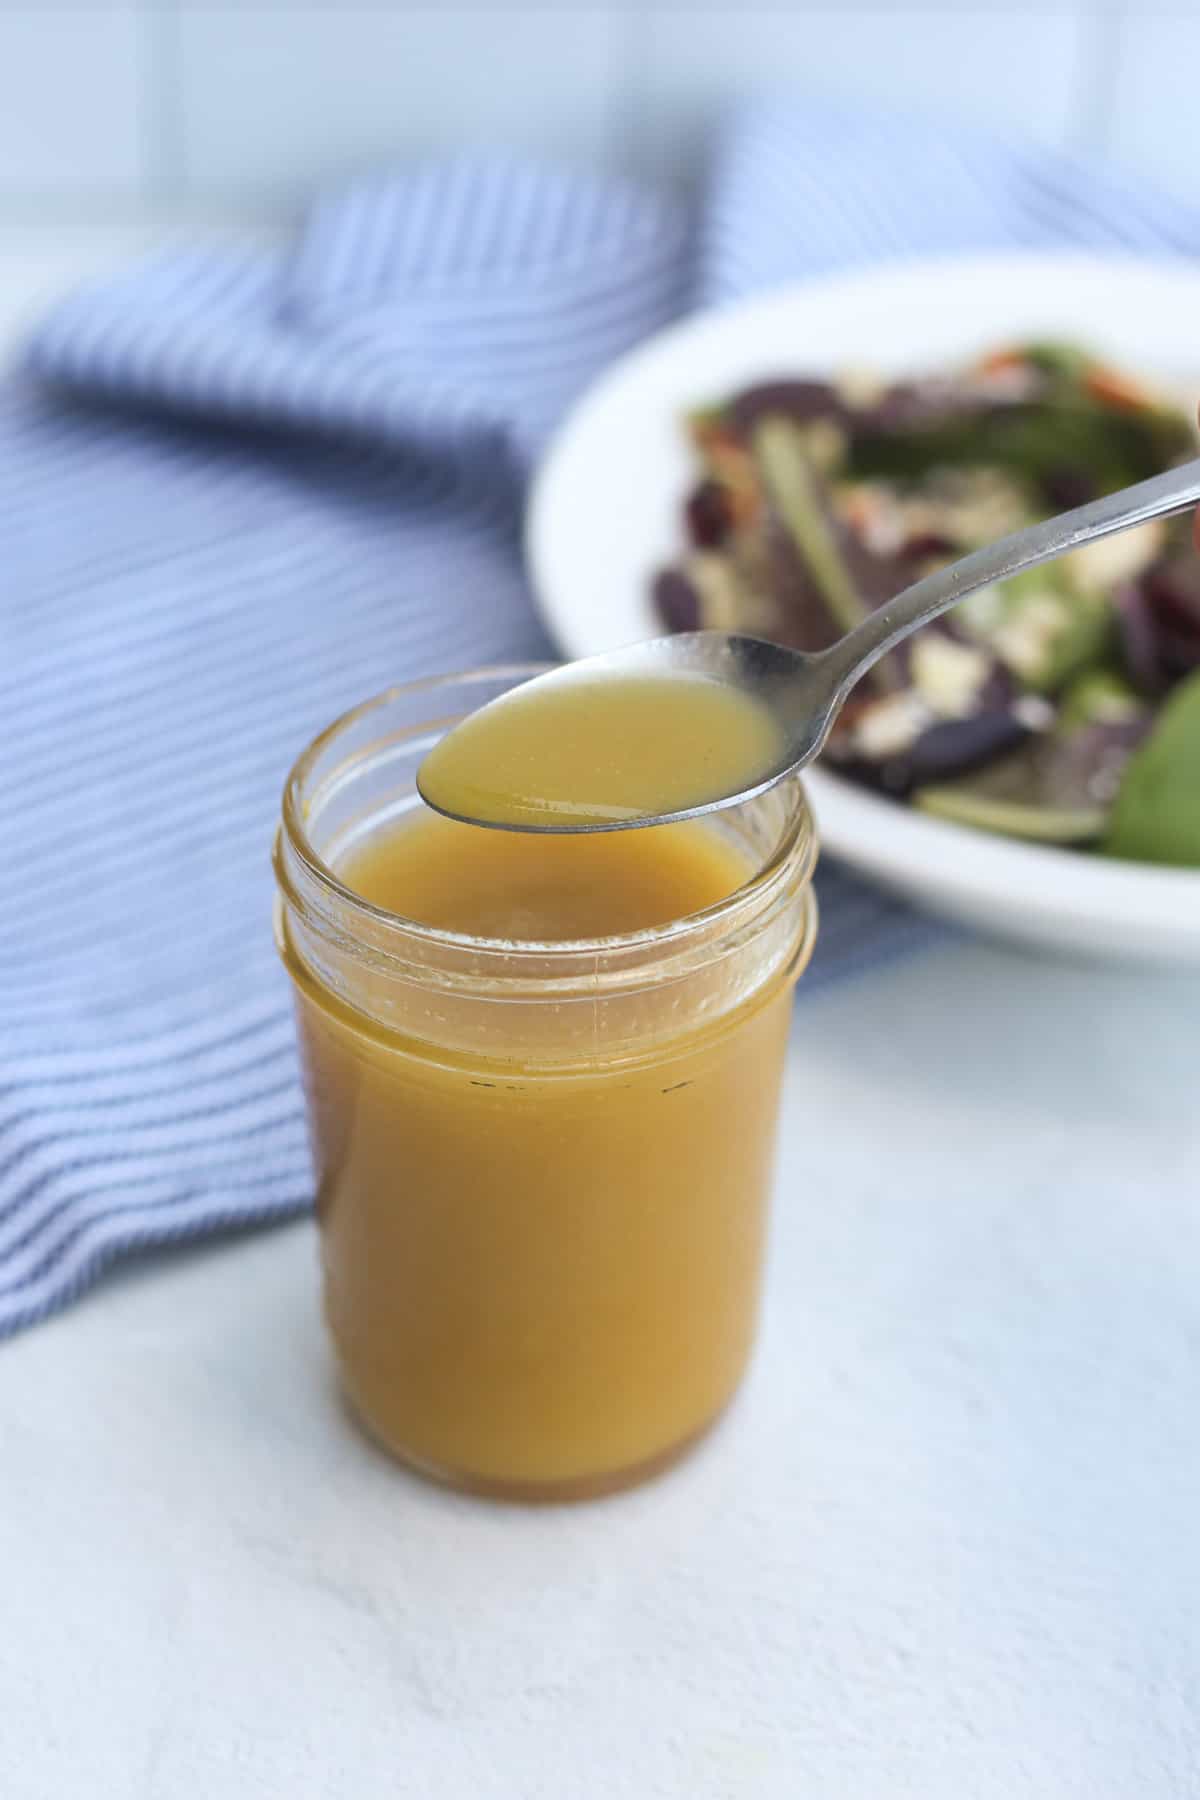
x=1173 y=492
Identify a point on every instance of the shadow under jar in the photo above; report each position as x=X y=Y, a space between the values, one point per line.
x=543 y=1167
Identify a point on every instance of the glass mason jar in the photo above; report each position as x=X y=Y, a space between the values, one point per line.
x=542 y=1168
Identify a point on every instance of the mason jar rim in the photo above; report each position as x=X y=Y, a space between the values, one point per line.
x=797 y=843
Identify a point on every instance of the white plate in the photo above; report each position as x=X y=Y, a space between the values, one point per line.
x=605 y=513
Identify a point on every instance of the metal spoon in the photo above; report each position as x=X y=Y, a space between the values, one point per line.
x=804 y=692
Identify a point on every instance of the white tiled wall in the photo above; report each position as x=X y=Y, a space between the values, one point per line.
x=270 y=98
x=1020 y=68
x=112 y=108
x=1156 y=126
x=73 y=87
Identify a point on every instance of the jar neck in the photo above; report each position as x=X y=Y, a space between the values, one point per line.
x=319 y=910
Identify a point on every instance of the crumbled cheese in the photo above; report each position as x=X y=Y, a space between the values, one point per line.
x=975 y=506
x=860 y=388
x=874 y=513
x=1034 y=712
x=1097 y=567
x=1026 y=639
x=891 y=725
x=983 y=611
x=948 y=674
x=720 y=602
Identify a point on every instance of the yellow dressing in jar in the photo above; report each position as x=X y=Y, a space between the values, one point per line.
x=493 y=884
x=594 y=750
x=542 y=1077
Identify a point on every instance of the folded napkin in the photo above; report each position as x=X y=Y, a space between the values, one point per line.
x=239 y=491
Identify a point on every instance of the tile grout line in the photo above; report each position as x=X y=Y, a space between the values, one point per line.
x=1094 y=106
x=627 y=102
x=160 y=73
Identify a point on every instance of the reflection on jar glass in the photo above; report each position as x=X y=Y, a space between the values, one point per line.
x=543 y=1166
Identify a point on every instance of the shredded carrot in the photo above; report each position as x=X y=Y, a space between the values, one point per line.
x=998 y=360
x=1115 y=389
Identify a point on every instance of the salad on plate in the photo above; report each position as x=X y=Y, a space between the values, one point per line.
x=1061 y=706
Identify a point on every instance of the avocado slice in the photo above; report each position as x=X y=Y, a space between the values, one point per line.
x=1156 y=817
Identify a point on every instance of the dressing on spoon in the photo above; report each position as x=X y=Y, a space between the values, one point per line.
x=597 y=750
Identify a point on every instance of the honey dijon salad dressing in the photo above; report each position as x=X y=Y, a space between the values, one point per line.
x=500 y=884
x=542 y=1077
x=597 y=750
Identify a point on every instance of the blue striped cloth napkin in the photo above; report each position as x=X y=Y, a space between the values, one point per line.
x=241 y=490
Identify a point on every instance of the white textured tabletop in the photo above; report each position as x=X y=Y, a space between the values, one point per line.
x=945 y=1546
